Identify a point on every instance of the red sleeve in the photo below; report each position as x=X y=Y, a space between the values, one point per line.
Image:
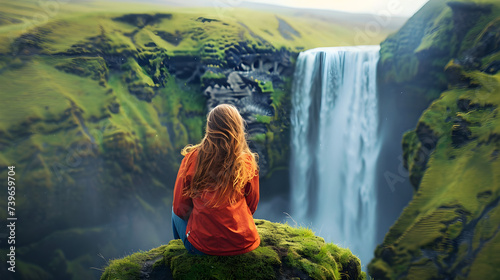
x=182 y=205
x=252 y=193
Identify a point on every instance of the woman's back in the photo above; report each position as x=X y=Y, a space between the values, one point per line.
x=219 y=216
x=227 y=229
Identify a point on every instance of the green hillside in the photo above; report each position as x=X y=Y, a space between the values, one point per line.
x=450 y=228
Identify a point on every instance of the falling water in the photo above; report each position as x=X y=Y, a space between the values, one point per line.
x=334 y=145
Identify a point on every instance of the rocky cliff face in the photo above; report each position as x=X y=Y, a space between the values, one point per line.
x=410 y=76
x=450 y=228
x=257 y=81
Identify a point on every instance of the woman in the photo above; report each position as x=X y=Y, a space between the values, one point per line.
x=217 y=189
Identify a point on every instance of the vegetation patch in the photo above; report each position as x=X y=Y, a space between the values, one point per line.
x=284 y=252
x=94 y=68
x=212 y=78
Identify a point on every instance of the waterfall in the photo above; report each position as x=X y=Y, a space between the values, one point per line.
x=334 y=145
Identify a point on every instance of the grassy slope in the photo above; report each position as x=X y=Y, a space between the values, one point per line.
x=450 y=228
x=72 y=24
x=227 y=27
x=284 y=251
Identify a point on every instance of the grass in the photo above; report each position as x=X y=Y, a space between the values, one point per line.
x=263 y=119
x=184 y=109
x=210 y=77
x=46 y=93
x=72 y=22
x=284 y=251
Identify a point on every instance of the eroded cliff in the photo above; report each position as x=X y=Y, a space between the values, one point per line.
x=450 y=228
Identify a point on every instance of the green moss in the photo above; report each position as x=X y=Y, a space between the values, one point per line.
x=183 y=108
x=265 y=86
x=130 y=266
x=95 y=68
x=259 y=138
x=412 y=59
x=440 y=34
x=259 y=264
x=456 y=175
x=134 y=72
x=263 y=119
x=474 y=34
x=47 y=94
x=278 y=97
x=210 y=78
x=284 y=251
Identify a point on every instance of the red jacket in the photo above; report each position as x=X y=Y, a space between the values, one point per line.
x=224 y=230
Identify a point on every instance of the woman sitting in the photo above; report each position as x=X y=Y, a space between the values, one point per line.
x=217 y=189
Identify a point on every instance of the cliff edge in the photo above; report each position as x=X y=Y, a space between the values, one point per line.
x=450 y=228
x=284 y=253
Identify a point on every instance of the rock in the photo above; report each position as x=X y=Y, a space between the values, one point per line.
x=114 y=108
x=30 y=43
x=184 y=66
x=493 y=67
x=142 y=91
x=174 y=39
x=488 y=41
x=427 y=136
x=284 y=253
x=115 y=62
x=460 y=133
x=95 y=68
x=203 y=19
x=246 y=80
x=242 y=93
x=418 y=146
x=464 y=105
x=466 y=15
x=123 y=148
x=456 y=75
x=141 y=20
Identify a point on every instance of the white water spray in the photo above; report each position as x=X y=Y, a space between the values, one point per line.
x=334 y=145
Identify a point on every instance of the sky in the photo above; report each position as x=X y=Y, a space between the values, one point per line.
x=395 y=7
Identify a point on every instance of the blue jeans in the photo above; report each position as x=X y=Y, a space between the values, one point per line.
x=179 y=228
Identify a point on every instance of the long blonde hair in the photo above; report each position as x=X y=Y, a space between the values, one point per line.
x=225 y=163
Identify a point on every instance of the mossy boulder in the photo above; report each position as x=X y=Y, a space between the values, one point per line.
x=284 y=253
